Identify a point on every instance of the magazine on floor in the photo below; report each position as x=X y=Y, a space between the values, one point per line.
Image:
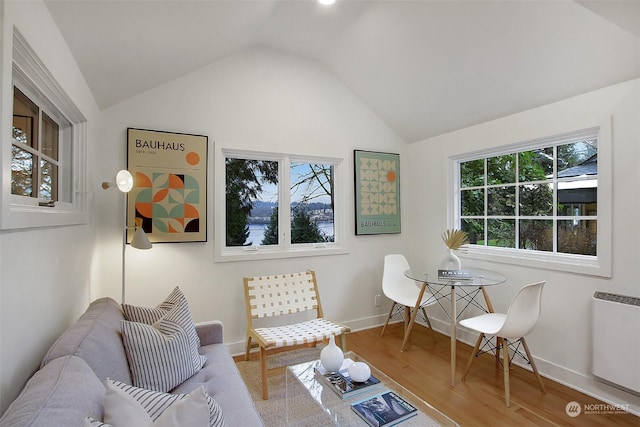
x=342 y=384
x=384 y=409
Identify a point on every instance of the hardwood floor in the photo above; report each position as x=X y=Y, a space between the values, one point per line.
x=479 y=401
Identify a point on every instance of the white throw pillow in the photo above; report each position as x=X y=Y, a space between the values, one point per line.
x=159 y=355
x=150 y=316
x=126 y=405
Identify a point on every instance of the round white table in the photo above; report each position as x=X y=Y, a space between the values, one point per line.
x=471 y=282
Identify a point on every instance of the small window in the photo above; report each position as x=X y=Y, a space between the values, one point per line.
x=279 y=205
x=47 y=149
x=536 y=199
x=35 y=155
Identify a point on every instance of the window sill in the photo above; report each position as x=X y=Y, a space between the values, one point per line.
x=27 y=214
x=579 y=264
x=261 y=253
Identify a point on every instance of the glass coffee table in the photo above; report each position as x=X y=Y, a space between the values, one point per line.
x=310 y=402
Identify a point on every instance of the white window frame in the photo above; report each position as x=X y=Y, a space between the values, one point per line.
x=599 y=265
x=31 y=76
x=284 y=249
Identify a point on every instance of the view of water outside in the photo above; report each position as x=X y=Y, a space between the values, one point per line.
x=304 y=189
x=256 y=231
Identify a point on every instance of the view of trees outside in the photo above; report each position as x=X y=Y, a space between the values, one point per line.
x=252 y=201
x=24 y=171
x=518 y=190
x=21 y=171
x=33 y=151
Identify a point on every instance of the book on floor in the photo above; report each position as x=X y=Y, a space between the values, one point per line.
x=384 y=409
x=342 y=384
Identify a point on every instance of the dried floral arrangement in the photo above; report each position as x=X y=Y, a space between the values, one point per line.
x=455 y=239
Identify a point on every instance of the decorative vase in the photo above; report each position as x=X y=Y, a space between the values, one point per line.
x=359 y=372
x=331 y=356
x=450 y=261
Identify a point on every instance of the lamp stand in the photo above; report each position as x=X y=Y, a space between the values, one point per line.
x=124 y=245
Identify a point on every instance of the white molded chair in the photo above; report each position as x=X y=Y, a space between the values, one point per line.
x=520 y=319
x=408 y=299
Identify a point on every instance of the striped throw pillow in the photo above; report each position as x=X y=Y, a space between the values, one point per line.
x=153 y=403
x=160 y=356
x=150 y=316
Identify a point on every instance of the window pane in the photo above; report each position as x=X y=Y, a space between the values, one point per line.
x=535 y=165
x=21 y=172
x=501 y=232
x=536 y=234
x=48 y=181
x=49 y=137
x=472 y=173
x=536 y=200
x=577 y=237
x=501 y=169
x=23 y=130
x=25 y=119
x=502 y=201
x=475 y=230
x=312 y=203
x=578 y=159
x=250 y=184
x=472 y=203
x=578 y=198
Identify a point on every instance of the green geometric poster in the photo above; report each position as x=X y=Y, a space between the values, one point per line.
x=377 y=192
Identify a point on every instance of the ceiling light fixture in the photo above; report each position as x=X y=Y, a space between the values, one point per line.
x=326 y=2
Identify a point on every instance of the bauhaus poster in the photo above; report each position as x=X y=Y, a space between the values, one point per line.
x=169 y=197
x=377 y=182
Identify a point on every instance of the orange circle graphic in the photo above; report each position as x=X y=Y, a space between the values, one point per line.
x=391 y=176
x=193 y=158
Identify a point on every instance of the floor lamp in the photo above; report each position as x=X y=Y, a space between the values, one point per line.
x=124 y=183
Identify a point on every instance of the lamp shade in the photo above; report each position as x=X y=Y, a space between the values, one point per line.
x=124 y=181
x=140 y=240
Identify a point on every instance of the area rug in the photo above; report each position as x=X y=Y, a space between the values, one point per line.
x=301 y=405
x=273 y=410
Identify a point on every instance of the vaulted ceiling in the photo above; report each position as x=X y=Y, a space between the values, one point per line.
x=425 y=67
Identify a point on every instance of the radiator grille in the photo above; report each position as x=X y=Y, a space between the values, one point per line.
x=622 y=299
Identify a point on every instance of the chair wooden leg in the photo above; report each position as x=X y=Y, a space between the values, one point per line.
x=248 y=350
x=533 y=365
x=263 y=367
x=498 y=346
x=343 y=342
x=426 y=318
x=407 y=318
x=473 y=356
x=505 y=364
x=388 y=318
x=407 y=332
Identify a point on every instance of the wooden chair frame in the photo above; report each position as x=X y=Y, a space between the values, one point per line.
x=280 y=295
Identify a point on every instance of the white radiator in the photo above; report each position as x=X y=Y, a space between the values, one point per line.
x=616 y=340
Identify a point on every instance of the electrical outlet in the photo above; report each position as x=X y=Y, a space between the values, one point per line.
x=376 y=301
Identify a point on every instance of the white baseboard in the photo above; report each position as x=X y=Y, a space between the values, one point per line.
x=585 y=384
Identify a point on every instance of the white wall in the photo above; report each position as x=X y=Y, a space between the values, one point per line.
x=44 y=272
x=561 y=342
x=269 y=101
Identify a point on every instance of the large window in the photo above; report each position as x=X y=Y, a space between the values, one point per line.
x=533 y=199
x=279 y=205
x=44 y=151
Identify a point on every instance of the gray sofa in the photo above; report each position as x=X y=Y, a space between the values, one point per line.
x=70 y=383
